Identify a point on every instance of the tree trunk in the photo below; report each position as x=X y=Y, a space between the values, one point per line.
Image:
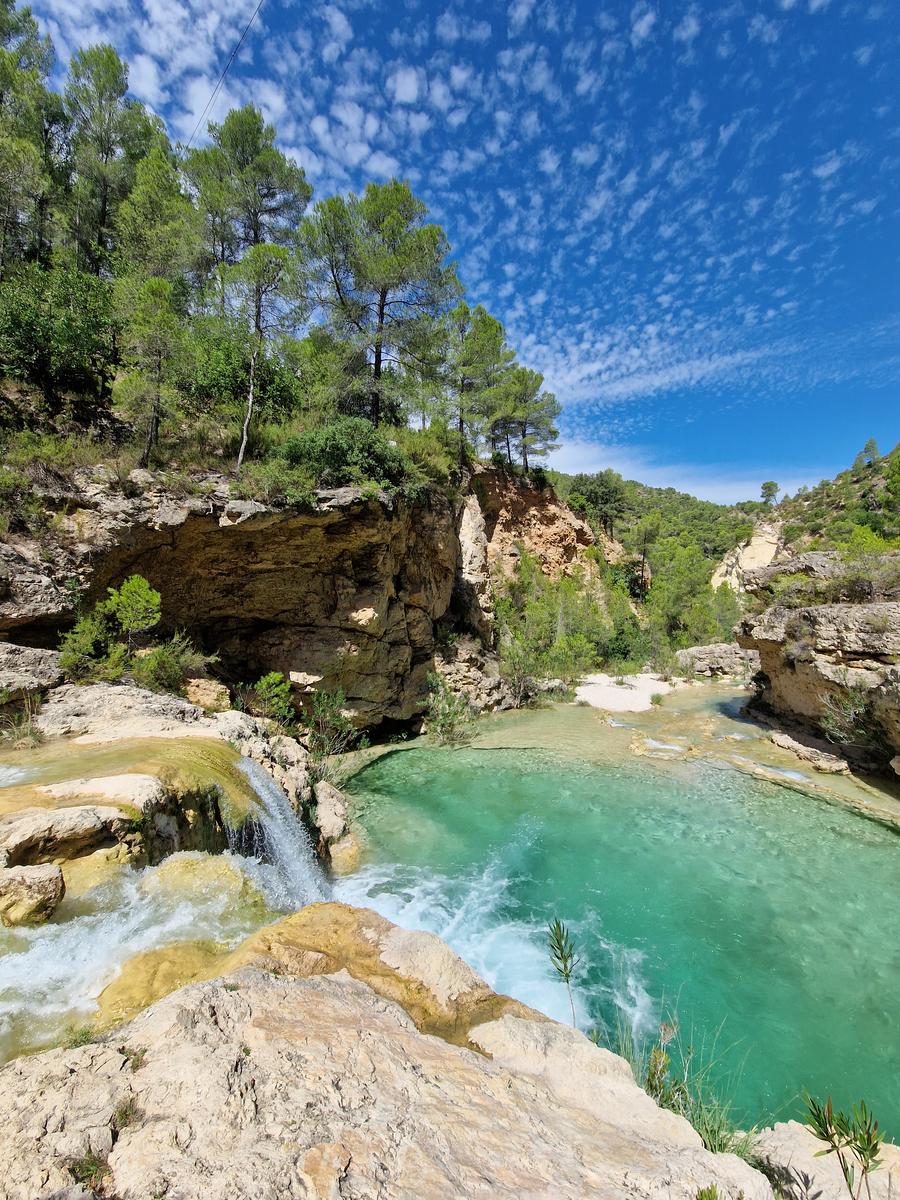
x=524 y=447
x=508 y=448
x=462 y=436
x=249 y=413
x=375 y=397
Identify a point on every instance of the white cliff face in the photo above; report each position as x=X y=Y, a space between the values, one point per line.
x=759 y=550
x=273 y=1085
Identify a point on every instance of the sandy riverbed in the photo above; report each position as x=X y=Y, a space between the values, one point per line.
x=602 y=691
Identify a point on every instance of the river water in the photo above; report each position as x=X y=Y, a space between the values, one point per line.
x=768 y=919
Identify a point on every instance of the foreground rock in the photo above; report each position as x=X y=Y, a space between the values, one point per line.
x=30 y=895
x=272 y=1086
x=721 y=658
x=36 y=835
x=791 y=1154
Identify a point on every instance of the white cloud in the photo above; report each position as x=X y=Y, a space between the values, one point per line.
x=828 y=166
x=382 y=165
x=548 y=161
x=403 y=85
x=642 y=21
x=519 y=13
x=687 y=28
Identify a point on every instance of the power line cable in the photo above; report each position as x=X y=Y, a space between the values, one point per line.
x=225 y=70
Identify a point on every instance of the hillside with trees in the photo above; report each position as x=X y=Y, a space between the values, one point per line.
x=196 y=308
x=861 y=503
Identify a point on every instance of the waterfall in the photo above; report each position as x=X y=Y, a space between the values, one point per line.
x=275 y=834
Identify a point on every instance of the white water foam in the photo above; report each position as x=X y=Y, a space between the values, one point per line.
x=55 y=972
x=471 y=914
x=277 y=836
x=9 y=776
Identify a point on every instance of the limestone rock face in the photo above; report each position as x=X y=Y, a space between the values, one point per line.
x=344 y=595
x=471 y=671
x=331 y=812
x=323 y=1086
x=516 y=513
x=721 y=658
x=25 y=669
x=30 y=895
x=760 y=549
x=35 y=835
x=809 y=654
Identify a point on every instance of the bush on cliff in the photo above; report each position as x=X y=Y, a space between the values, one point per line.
x=110 y=641
x=348 y=451
x=450 y=718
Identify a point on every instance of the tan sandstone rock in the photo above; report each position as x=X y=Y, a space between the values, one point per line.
x=721 y=658
x=30 y=895
x=270 y=1086
x=35 y=835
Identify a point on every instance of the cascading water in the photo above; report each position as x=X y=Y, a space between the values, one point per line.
x=275 y=835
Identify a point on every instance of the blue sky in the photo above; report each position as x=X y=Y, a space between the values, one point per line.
x=686 y=214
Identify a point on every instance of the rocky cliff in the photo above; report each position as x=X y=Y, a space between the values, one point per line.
x=346 y=594
x=832 y=667
x=762 y=548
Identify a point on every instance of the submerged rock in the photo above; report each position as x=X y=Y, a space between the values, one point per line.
x=817 y=754
x=30 y=895
x=271 y=1086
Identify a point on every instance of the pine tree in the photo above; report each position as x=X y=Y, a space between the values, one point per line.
x=379 y=271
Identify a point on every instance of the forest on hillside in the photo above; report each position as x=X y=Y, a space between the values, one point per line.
x=193 y=308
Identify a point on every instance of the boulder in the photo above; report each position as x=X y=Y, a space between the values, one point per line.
x=36 y=835
x=471 y=671
x=324 y=1085
x=30 y=895
x=721 y=658
x=331 y=812
x=24 y=669
x=208 y=694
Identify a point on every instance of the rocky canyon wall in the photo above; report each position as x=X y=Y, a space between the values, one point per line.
x=346 y=595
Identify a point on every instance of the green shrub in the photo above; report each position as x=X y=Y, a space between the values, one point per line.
x=276 y=482
x=656 y=699
x=90 y=1170
x=272 y=699
x=135 y=607
x=56 y=330
x=347 y=451
x=165 y=668
x=450 y=717
x=856 y=1140
x=89 y=651
x=330 y=732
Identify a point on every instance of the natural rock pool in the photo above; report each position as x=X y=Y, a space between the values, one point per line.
x=767 y=918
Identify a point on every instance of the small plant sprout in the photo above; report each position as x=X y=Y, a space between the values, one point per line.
x=856 y=1140
x=563 y=957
